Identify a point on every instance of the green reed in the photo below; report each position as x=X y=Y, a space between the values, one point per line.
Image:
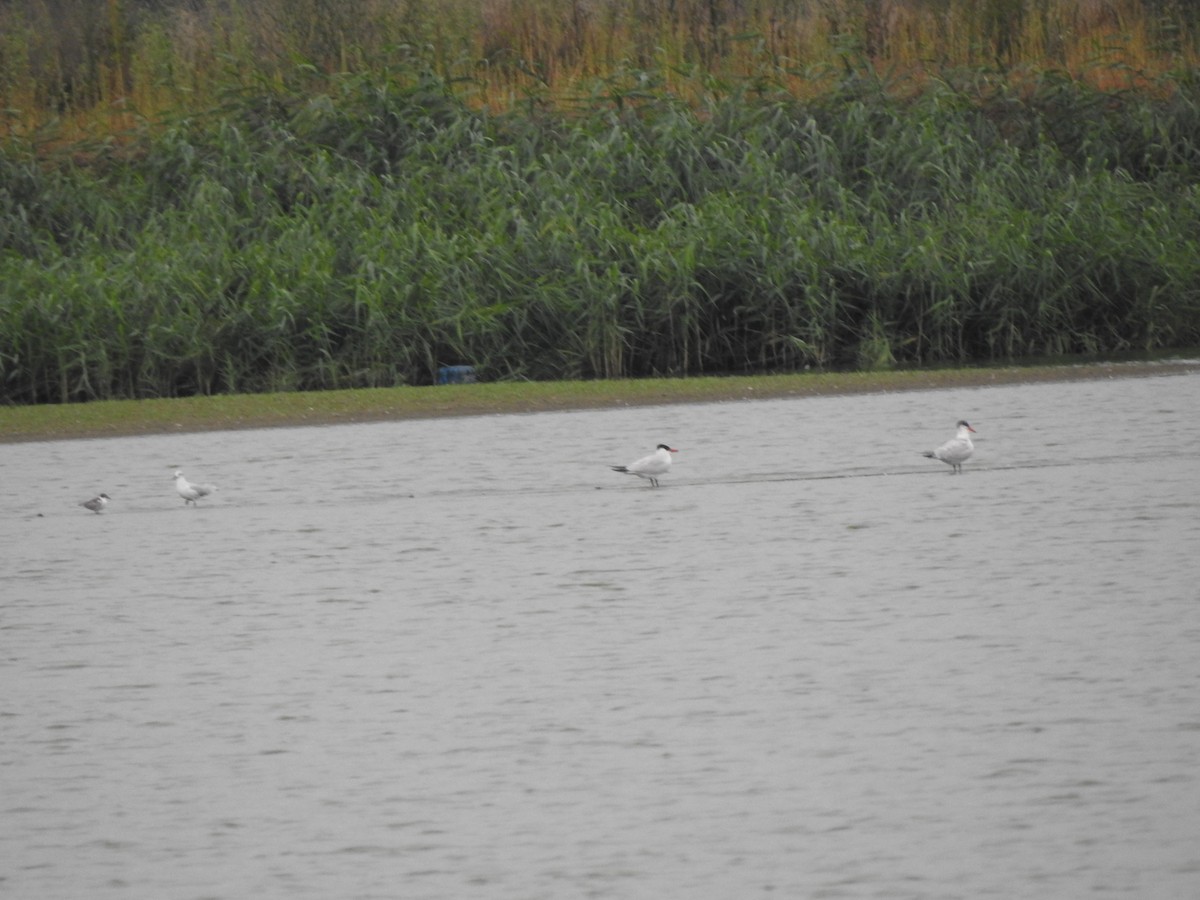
x=368 y=232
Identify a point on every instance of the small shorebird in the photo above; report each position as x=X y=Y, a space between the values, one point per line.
x=191 y=492
x=650 y=467
x=97 y=503
x=957 y=450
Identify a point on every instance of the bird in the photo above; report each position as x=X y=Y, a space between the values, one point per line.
x=650 y=467
x=191 y=492
x=97 y=503
x=957 y=450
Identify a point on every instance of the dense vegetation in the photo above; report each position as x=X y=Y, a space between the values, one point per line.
x=321 y=229
x=99 y=63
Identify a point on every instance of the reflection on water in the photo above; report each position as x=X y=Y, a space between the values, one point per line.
x=461 y=658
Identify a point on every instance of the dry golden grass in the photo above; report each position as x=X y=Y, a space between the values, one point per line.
x=111 y=69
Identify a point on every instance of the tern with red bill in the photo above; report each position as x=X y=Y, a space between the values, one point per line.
x=650 y=467
x=957 y=450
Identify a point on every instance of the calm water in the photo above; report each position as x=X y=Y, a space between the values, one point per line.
x=461 y=658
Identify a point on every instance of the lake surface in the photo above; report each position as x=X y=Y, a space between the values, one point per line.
x=461 y=658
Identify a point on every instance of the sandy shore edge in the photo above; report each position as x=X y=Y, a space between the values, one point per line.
x=126 y=418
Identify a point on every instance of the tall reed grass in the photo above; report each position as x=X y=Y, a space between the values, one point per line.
x=362 y=230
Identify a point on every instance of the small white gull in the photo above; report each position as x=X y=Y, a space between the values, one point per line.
x=190 y=492
x=957 y=450
x=650 y=467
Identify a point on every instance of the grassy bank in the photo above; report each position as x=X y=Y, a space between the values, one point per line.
x=116 y=418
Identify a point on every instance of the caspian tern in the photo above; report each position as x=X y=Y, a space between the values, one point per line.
x=957 y=450
x=191 y=492
x=97 y=503
x=650 y=467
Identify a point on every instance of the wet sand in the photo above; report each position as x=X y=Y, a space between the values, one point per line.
x=460 y=657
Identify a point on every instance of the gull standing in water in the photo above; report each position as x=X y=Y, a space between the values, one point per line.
x=650 y=467
x=957 y=450
x=191 y=492
x=97 y=503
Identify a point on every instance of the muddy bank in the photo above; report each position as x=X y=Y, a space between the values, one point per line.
x=137 y=417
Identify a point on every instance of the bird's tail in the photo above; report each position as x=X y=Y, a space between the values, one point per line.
x=929 y=454
x=624 y=469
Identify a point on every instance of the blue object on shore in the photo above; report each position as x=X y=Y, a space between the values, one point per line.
x=456 y=375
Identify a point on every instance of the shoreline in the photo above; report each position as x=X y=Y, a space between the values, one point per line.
x=133 y=418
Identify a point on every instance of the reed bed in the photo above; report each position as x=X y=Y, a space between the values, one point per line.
x=364 y=230
x=210 y=198
x=81 y=66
